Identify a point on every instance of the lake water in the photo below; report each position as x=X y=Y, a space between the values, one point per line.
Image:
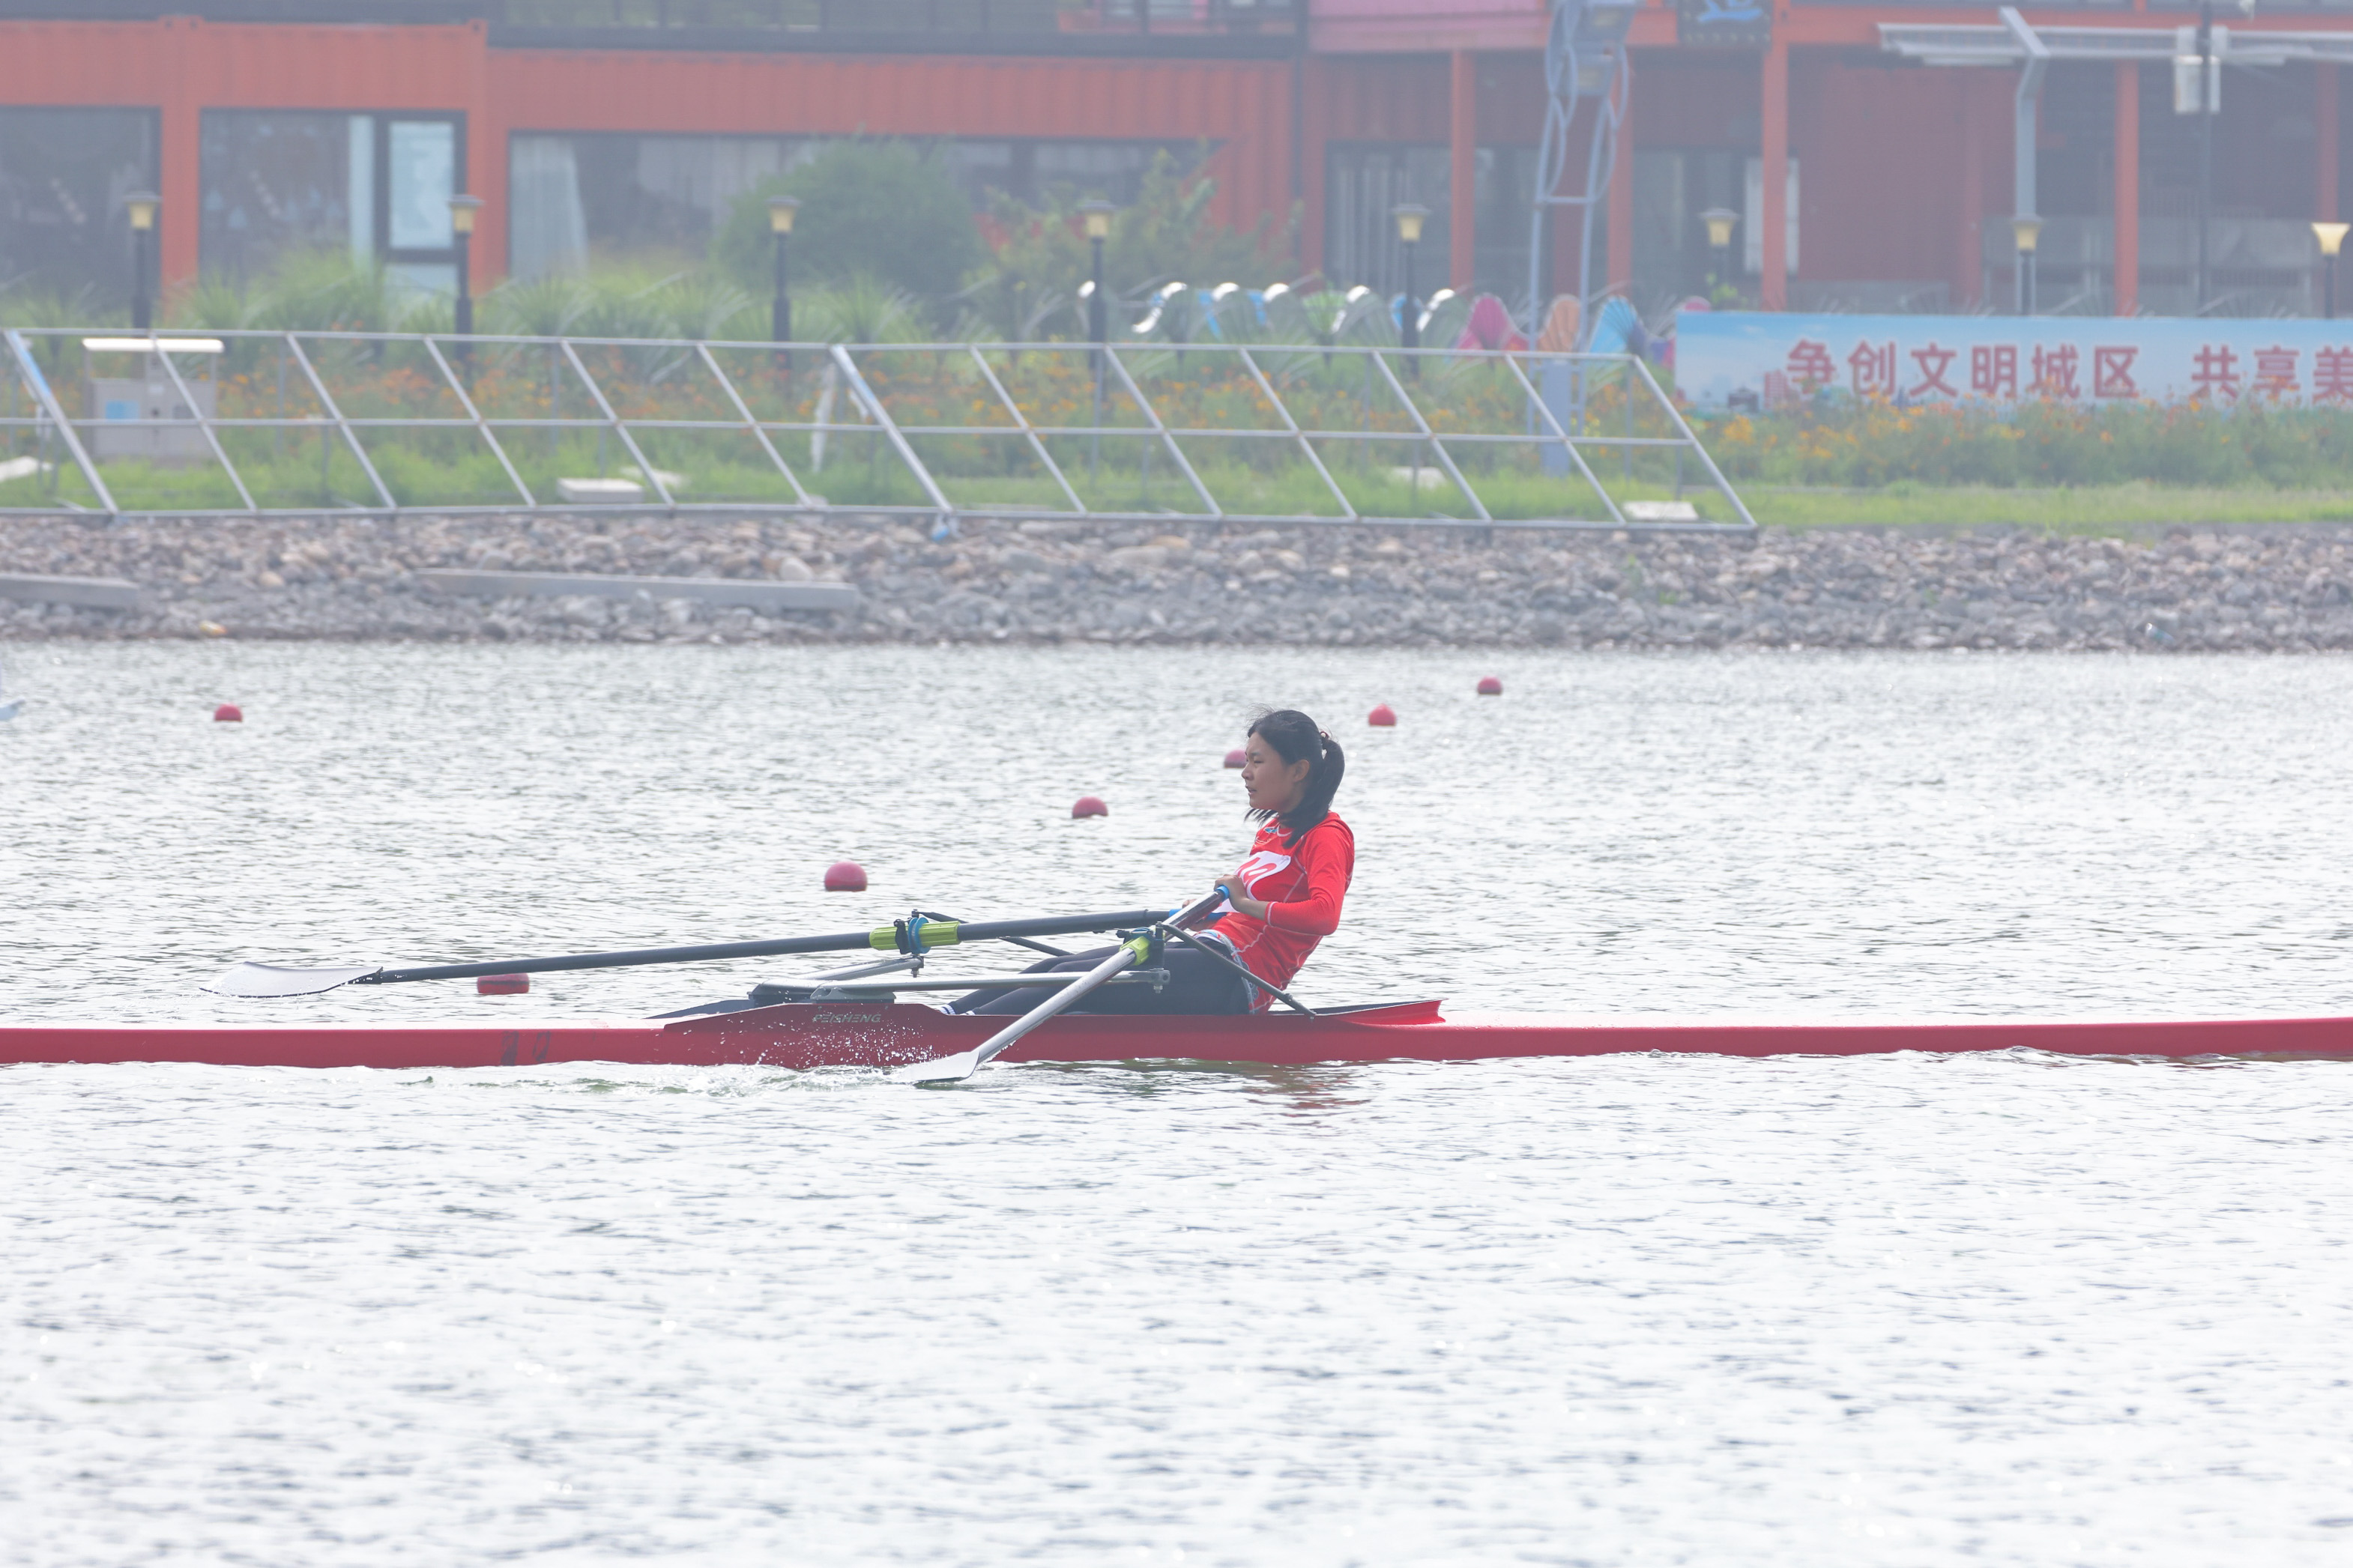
x=1631 y=1311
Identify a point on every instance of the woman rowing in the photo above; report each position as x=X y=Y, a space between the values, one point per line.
x=1283 y=898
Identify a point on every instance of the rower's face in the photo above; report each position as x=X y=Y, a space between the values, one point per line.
x=1272 y=783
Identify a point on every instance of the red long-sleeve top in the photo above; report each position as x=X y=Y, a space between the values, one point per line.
x=1302 y=882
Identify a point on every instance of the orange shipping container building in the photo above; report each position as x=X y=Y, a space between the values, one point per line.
x=623 y=126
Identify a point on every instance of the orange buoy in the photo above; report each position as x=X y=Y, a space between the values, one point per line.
x=502 y=985
x=1236 y=758
x=229 y=713
x=1383 y=717
x=1089 y=806
x=845 y=877
x=1491 y=685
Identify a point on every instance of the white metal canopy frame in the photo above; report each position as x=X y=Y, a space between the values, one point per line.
x=312 y=422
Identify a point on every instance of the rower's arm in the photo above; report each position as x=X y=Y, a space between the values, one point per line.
x=1328 y=866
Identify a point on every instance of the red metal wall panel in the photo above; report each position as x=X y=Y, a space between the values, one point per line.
x=1886 y=206
x=182 y=66
x=1896 y=163
x=1244 y=105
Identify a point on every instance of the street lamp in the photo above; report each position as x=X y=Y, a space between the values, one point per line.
x=2207 y=101
x=461 y=225
x=2208 y=81
x=2332 y=239
x=1097 y=213
x=2027 y=230
x=142 y=205
x=1719 y=221
x=780 y=224
x=1408 y=215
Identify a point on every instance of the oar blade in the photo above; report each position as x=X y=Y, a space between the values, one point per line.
x=947 y=1069
x=279 y=980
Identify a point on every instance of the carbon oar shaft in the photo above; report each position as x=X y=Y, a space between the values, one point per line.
x=882 y=939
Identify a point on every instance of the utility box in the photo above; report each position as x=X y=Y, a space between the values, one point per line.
x=116 y=403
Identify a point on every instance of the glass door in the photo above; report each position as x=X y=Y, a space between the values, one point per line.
x=420 y=157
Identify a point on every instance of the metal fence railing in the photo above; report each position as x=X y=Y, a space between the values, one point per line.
x=266 y=423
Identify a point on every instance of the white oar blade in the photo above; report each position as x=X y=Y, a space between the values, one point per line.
x=277 y=979
x=947 y=1069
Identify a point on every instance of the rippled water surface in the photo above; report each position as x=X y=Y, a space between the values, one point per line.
x=1644 y=1310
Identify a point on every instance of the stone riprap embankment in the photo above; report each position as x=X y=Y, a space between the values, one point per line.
x=2186 y=588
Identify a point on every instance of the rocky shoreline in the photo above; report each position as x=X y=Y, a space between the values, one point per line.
x=2187 y=588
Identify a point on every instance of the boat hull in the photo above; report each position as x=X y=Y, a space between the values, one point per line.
x=797 y=1036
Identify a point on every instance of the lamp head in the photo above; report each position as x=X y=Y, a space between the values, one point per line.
x=780 y=214
x=142 y=205
x=1097 y=213
x=1719 y=221
x=461 y=214
x=2331 y=236
x=1408 y=215
x=2027 y=230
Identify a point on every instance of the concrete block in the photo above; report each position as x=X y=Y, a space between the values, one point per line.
x=610 y=492
x=756 y=592
x=90 y=593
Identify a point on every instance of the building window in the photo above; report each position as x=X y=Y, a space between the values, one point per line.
x=611 y=194
x=378 y=186
x=63 y=176
x=1362 y=181
x=277 y=182
x=584 y=194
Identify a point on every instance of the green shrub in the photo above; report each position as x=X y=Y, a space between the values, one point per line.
x=880 y=208
x=1029 y=288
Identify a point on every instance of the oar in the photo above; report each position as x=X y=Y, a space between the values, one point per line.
x=1134 y=951
x=913 y=936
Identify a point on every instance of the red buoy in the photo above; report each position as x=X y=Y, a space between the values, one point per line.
x=502 y=985
x=1235 y=758
x=845 y=877
x=1088 y=806
x=1491 y=685
x=1384 y=717
x=229 y=713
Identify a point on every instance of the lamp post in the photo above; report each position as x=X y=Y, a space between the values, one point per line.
x=143 y=206
x=2207 y=83
x=1097 y=214
x=2332 y=239
x=1719 y=221
x=462 y=227
x=2028 y=230
x=1409 y=216
x=780 y=224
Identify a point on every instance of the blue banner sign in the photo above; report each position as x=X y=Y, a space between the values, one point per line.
x=1751 y=361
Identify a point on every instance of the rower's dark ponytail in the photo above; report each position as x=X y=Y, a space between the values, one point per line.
x=1294 y=735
